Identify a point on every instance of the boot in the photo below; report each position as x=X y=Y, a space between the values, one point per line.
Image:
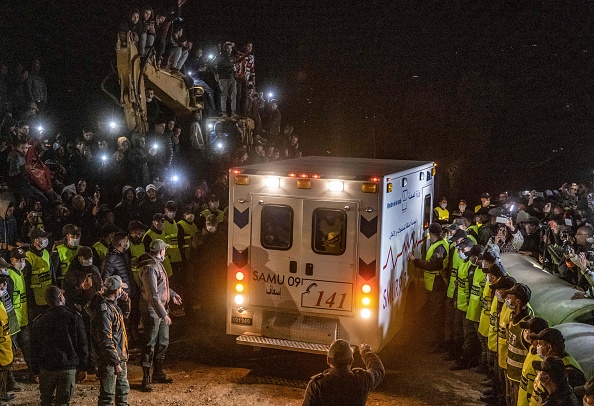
x=146 y=380
x=159 y=375
x=12 y=385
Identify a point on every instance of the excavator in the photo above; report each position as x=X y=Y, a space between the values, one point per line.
x=172 y=89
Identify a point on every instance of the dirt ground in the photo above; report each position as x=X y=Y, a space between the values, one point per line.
x=210 y=369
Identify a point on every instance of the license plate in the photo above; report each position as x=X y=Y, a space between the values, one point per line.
x=241 y=320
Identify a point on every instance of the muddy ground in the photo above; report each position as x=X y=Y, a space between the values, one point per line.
x=210 y=369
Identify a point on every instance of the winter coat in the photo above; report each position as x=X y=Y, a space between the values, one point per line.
x=75 y=276
x=109 y=342
x=155 y=292
x=118 y=263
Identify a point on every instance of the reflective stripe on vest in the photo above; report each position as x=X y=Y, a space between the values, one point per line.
x=516 y=350
x=429 y=276
x=479 y=280
x=5 y=340
x=456 y=262
x=136 y=250
x=486 y=310
x=189 y=231
x=170 y=237
x=19 y=297
x=492 y=336
x=443 y=214
x=66 y=255
x=462 y=290
x=537 y=395
x=527 y=379
x=40 y=275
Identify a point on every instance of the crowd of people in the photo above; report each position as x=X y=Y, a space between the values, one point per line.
x=481 y=316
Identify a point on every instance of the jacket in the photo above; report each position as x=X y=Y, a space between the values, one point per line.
x=9 y=228
x=155 y=292
x=58 y=341
x=124 y=212
x=76 y=298
x=118 y=263
x=345 y=387
x=109 y=342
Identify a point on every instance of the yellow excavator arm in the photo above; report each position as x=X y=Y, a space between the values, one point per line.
x=170 y=89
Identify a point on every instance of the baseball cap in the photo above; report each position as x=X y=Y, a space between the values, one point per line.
x=465 y=243
x=459 y=234
x=38 y=233
x=485 y=195
x=171 y=206
x=158 y=217
x=17 y=253
x=469 y=215
x=150 y=185
x=505 y=282
x=550 y=335
x=340 y=351
x=158 y=245
x=435 y=228
x=521 y=291
x=85 y=252
x=114 y=282
x=483 y=211
x=476 y=251
x=490 y=255
x=535 y=324
x=553 y=366
x=452 y=227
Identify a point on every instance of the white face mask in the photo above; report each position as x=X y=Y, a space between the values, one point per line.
x=211 y=229
x=127 y=245
x=189 y=218
x=213 y=206
x=171 y=215
x=44 y=243
x=539 y=350
x=3 y=271
x=462 y=209
x=498 y=295
x=73 y=242
x=526 y=335
x=19 y=265
x=509 y=305
x=86 y=262
x=443 y=205
x=462 y=255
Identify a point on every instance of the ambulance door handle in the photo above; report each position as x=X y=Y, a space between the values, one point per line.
x=309 y=269
x=293 y=266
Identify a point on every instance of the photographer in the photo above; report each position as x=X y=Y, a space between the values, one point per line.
x=508 y=237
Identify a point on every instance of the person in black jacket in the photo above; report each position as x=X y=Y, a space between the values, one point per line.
x=117 y=263
x=126 y=210
x=59 y=351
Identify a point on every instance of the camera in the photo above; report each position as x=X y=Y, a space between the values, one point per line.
x=590 y=256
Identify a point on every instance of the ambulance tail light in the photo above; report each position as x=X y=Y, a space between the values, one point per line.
x=272 y=182
x=242 y=180
x=366 y=301
x=366 y=289
x=366 y=313
x=303 y=184
x=239 y=287
x=239 y=299
x=236 y=171
x=315 y=176
x=239 y=276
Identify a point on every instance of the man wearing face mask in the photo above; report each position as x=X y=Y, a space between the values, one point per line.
x=499 y=318
x=458 y=213
x=551 y=343
x=454 y=262
x=59 y=349
x=110 y=341
x=42 y=273
x=477 y=279
x=19 y=299
x=457 y=260
x=517 y=299
x=154 y=233
x=136 y=231
x=65 y=252
x=530 y=326
x=470 y=225
x=553 y=378
x=170 y=237
x=101 y=247
x=441 y=214
x=117 y=263
x=82 y=280
x=187 y=229
x=154 y=308
x=213 y=209
x=151 y=205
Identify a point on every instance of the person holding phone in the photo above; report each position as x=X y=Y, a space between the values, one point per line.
x=508 y=237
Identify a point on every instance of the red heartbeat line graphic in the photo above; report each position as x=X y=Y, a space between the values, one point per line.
x=407 y=246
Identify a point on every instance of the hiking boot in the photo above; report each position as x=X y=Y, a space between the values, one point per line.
x=146 y=380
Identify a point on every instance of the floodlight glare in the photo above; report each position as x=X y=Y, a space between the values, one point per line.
x=112 y=125
x=220 y=145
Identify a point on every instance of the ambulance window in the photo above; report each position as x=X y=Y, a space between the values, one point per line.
x=276 y=232
x=427 y=212
x=329 y=231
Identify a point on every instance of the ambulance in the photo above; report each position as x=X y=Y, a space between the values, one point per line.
x=318 y=249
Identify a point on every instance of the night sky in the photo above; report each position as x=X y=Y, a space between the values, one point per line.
x=498 y=93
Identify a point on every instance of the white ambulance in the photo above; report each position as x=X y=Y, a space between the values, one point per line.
x=318 y=248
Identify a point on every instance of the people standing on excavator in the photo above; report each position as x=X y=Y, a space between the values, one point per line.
x=225 y=75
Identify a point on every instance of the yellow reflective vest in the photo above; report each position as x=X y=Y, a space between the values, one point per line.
x=479 y=280
x=462 y=286
x=66 y=255
x=538 y=390
x=528 y=377
x=19 y=296
x=136 y=250
x=220 y=214
x=5 y=340
x=442 y=214
x=456 y=262
x=170 y=237
x=504 y=318
x=41 y=276
x=189 y=230
x=101 y=251
x=429 y=276
x=517 y=350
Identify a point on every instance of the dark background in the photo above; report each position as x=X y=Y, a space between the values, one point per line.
x=498 y=93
